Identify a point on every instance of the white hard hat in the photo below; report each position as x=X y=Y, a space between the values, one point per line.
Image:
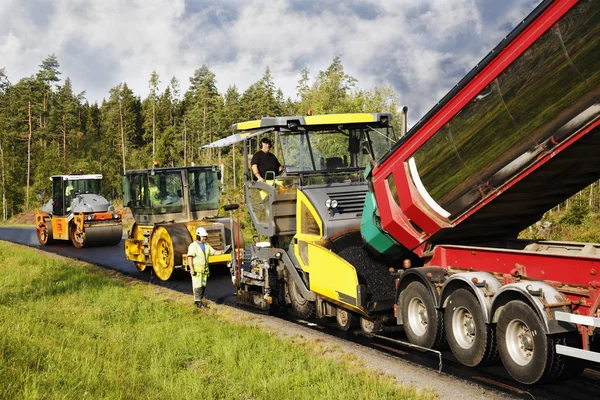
x=200 y=231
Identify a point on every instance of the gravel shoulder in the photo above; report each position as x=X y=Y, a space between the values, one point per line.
x=403 y=372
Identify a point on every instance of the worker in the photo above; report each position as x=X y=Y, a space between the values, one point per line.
x=197 y=255
x=153 y=191
x=68 y=189
x=264 y=161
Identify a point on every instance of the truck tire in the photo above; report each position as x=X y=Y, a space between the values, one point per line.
x=370 y=326
x=301 y=307
x=423 y=322
x=471 y=340
x=528 y=354
x=344 y=318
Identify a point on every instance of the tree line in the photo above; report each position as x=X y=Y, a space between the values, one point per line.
x=47 y=129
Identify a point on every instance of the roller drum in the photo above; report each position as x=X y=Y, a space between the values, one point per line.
x=102 y=235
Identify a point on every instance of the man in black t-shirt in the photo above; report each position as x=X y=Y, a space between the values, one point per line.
x=264 y=161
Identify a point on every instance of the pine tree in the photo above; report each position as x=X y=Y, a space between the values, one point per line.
x=4 y=127
x=153 y=97
x=63 y=119
x=204 y=102
x=231 y=114
x=47 y=76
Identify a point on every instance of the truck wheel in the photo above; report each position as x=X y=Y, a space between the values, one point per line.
x=471 y=340
x=528 y=354
x=369 y=326
x=344 y=318
x=162 y=253
x=301 y=307
x=423 y=323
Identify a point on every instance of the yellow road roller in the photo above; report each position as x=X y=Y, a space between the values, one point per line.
x=78 y=212
x=168 y=204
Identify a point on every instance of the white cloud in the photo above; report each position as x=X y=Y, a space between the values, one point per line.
x=421 y=48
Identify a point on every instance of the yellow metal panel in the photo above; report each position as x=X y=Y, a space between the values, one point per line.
x=134 y=250
x=139 y=232
x=222 y=259
x=60 y=228
x=339 y=119
x=244 y=126
x=306 y=238
x=332 y=277
x=301 y=198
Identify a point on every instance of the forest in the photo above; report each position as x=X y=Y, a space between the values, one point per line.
x=47 y=129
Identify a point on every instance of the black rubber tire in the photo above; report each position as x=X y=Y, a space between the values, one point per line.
x=301 y=307
x=533 y=359
x=426 y=328
x=471 y=340
x=370 y=326
x=344 y=319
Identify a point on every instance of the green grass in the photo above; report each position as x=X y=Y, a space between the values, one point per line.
x=69 y=330
x=586 y=232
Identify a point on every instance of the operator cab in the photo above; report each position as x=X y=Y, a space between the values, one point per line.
x=172 y=194
x=332 y=153
x=65 y=188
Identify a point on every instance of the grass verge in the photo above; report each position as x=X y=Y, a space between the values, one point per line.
x=71 y=330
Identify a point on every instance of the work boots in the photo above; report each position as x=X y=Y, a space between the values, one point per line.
x=198 y=296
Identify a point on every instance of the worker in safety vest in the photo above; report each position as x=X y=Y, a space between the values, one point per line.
x=153 y=192
x=68 y=189
x=197 y=255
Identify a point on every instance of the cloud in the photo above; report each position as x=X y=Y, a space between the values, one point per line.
x=420 y=48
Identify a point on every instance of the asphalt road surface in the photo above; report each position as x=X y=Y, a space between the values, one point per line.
x=491 y=379
x=220 y=290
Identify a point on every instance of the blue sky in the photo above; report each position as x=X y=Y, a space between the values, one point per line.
x=420 y=47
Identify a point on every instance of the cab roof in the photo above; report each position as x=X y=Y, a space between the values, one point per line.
x=171 y=169
x=313 y=120
x=249 y=129
x=77 y=177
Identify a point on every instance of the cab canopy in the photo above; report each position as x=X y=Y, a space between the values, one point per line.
x=178 y=194
x=320 y=143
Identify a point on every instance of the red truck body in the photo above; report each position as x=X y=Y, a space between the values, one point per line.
x=517 y=136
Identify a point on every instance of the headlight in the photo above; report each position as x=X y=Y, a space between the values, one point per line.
x=89 y=217
x=331 y=203
x=115 y=216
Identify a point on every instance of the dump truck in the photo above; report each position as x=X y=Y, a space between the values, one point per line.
x=168 y=204
x=516 y=137
x=436 y=249
x=78 y=212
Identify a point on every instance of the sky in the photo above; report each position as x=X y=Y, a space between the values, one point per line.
x=422 y=48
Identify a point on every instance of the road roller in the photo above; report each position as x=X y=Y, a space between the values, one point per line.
x=78 y=212
x=168 y=204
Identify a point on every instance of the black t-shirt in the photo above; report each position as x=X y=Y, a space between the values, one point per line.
x=265 y=162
